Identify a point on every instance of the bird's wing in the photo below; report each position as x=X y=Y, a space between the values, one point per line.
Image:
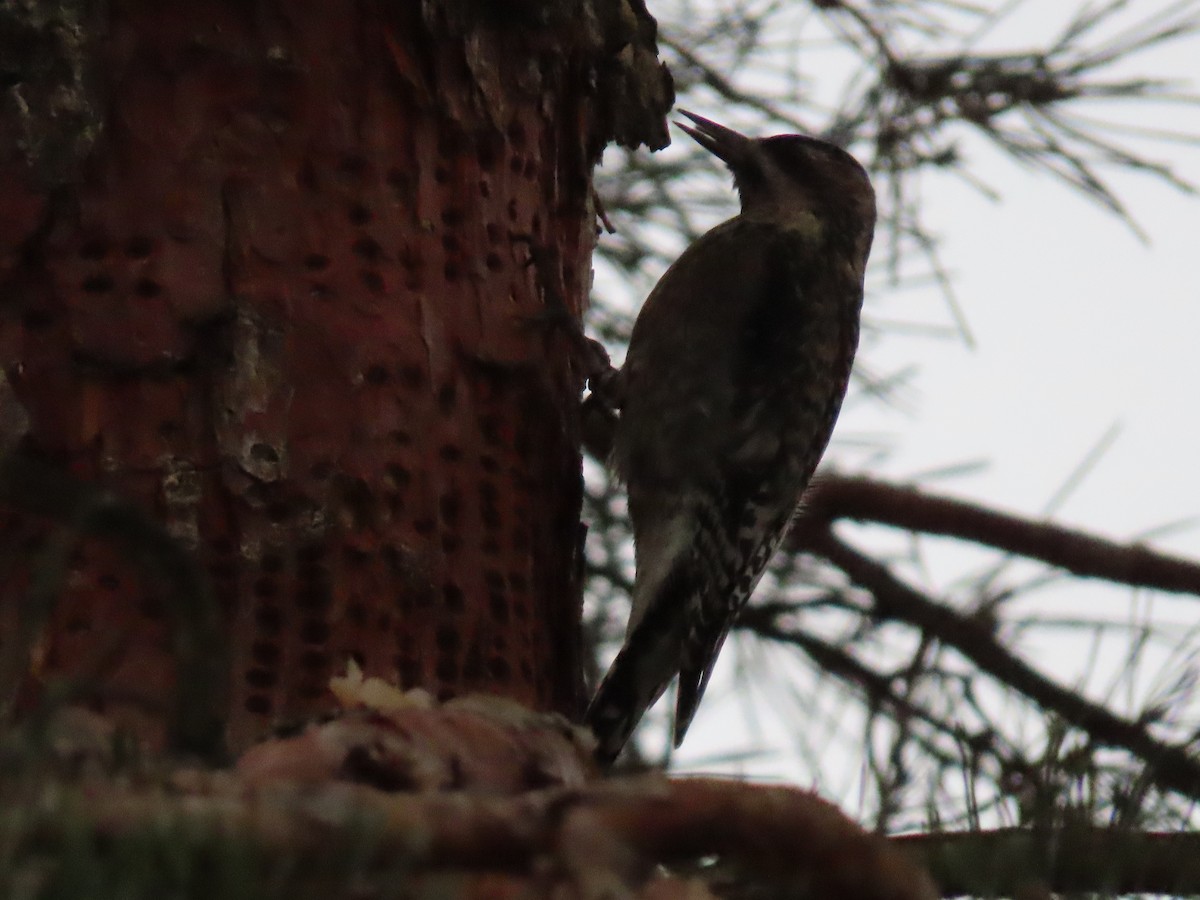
x=761 y=475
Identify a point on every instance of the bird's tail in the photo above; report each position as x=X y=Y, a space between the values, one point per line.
x=623 y=697
x=694 y=675
x=644 y=667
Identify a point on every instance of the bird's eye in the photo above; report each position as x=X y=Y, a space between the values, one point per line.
x=748 y=175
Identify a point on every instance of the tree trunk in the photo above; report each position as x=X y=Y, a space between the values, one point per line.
x=286 y=276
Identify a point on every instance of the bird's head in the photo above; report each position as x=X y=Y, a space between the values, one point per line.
x=789 y=177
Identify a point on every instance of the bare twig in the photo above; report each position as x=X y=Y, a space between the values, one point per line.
x=869 y=500
x=1171 y=767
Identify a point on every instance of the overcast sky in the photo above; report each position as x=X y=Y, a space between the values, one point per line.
x=1083 y=335
x=1078 y=327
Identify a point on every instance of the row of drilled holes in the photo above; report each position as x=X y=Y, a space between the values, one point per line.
x=369 y=250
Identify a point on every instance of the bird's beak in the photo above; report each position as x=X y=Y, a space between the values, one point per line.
x=723 y=143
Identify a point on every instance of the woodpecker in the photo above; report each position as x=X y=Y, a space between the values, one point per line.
x=736 y=370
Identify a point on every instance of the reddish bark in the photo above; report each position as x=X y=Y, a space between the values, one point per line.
x=285 y=309
x=603 y=840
